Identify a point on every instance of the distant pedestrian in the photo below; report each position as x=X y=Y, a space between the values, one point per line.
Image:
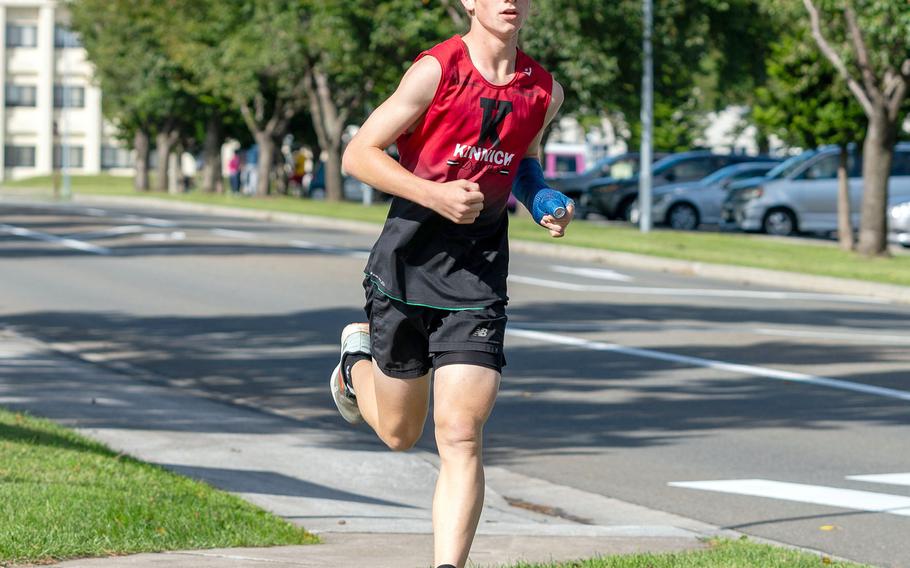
x=188 y=169
x=252 y=169
x=234 y=172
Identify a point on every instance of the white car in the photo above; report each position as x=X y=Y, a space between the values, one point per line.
x=899 y=221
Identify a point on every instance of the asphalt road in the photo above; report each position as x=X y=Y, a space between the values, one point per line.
x=744 y=407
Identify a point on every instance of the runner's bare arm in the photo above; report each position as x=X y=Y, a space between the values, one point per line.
x=556 y=98
x=459 y=201
x=557 y=227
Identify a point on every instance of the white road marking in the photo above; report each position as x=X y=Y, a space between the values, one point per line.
x=96 y=212
x=329 y=249
x=113 y=231
x=889 y=478
x=803 y=493
x=172 y=236
x=600 y=273
x=749 y=370
x=231 y=234
x=696 y=292
x=38 y=236
x=150 y=221
x=851 y=336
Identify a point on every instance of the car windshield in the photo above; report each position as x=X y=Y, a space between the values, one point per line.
x=599 y=165
x=720 y=175
x=616 y=167
x=787 y=167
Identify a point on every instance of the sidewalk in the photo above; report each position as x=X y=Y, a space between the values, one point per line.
x=339 y=482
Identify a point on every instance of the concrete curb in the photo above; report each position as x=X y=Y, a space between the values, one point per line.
x=726 y=272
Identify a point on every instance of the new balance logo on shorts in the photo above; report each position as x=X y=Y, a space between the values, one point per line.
x=480 y=332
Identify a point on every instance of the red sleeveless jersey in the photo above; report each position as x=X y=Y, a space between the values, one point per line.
x=474 y=129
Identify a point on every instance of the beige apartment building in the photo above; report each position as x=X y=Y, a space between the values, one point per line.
x=50 y=112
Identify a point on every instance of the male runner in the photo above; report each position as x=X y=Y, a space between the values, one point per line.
x=465 y=116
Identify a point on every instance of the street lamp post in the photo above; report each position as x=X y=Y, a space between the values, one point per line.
x=647 y=121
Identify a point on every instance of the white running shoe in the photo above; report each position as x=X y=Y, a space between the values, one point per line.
x=355 y=338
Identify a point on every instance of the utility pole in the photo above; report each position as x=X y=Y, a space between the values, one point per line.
x=647 y=121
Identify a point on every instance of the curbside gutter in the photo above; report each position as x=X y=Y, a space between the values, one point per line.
x=726 y=272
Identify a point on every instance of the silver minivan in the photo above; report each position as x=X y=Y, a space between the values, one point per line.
x=806 y=199
x=685 y=206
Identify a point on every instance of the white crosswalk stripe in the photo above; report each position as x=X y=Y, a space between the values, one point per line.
x=804 y=493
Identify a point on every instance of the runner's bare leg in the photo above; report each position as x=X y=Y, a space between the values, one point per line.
x=396 y=409
x=463 y=398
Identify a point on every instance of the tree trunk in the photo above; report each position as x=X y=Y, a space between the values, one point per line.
x=174 y=170
x=264 y=166
x=211 y=155
x=141 y=175
x=334 y=183
x=329 y=120
x=844 y=221
x=878 y=151
x=164 y=141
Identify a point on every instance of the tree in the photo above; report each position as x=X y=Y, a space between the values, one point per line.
x=142 y=88
x=806 y=104
x=870 y=51
x=249 y=54
x=706 y=54
x=356 y=53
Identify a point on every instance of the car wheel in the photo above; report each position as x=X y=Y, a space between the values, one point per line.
x=683 y=217
x=582 y=205
x=625 y=209
x=780 y=222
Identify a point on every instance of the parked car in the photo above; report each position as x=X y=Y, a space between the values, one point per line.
x=613 y=198
x=684 y=206
x=621 y=166
x=739 y=192
x=805 y=198
x=899 y=221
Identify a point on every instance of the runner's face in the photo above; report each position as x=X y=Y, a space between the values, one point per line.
x=501 y=17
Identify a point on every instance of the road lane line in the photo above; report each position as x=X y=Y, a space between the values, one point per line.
x=233 y=234
x=48 y=238
x=329 y=249
x=889 y=478
x=834 y=335
x=749 y=370
x=804 y=493
x=112 y=232
x=172 y=236
x=599 y=273
x=150 y=221
x=695 y=292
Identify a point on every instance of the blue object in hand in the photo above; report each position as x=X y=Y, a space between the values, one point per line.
x=549 y=202
x=531 y=189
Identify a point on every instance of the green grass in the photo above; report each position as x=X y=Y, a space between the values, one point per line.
x=722 y=248
x=722 y=553
x=64 y=496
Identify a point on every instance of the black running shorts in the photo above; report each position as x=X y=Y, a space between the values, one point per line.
x=407 y=340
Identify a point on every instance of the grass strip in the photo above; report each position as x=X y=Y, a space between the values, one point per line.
x=721 y=553
x=721 y=248
x=65 y=496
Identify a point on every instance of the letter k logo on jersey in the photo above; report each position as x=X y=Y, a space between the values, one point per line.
x=494 y=112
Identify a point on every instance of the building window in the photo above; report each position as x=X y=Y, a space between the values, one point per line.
x=114 y=157
x=19 y=156
x=73 y=156
x=20 y=95
x=65 y=37
x=66 y=96
x=19 y=35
